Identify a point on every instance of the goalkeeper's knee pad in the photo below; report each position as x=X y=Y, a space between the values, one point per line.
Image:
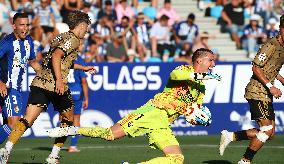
x=176 y=158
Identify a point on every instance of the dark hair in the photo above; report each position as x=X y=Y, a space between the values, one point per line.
x=281 y=21
x=167 y=1
x=125 y=17
x=201 y=52
x=19 y=15
x=108 y=2
x=191 y=16
x=164 y=17
x=76 y=17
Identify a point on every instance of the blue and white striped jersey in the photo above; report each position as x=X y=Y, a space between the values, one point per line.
x=14 y=56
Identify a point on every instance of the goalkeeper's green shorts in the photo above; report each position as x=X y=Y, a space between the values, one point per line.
x=151 y=121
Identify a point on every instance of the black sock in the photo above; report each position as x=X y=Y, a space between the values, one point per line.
x=241 y=135
x=249 y=154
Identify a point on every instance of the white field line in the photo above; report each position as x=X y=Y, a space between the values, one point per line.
x=142 y=146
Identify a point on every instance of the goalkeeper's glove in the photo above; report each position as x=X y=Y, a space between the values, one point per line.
x=205 y=76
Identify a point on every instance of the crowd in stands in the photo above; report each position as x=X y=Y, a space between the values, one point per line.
x=120 y=32
x=249 y=22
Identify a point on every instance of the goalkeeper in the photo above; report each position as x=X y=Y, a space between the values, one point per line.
x=182 y=95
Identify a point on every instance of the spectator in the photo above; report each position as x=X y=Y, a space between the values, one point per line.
x=125 y=28
x=123 y=9
x=186 y=31
x=92 y=55
x=142 y=28
x=272 y=29
x=233 y=20
x=150 y=11
x=170 y=12
x=45 y=15
x=254 y=35
x=69 y=6
x=4 y=13
x=264 y=8
x=185 y=54
x=160 y=38
x=202 y=41
x=109 y=11
x=115 y=50
x=132 y=56
x=87 y=9
x=102 y=28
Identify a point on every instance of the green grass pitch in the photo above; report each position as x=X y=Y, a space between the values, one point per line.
x=197 y=150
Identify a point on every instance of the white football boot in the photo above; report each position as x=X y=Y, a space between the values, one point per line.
x=226 y=138
x=243 y=162
x=4 y=155
x=52 y=160
x=63 y=131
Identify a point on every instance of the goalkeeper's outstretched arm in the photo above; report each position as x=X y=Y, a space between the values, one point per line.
x=179 y=74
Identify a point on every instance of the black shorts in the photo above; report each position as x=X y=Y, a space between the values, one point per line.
x=41 y=97
x=261 y=110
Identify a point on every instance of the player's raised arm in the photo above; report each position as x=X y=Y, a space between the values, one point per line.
x=90 y=69
x=185 y=74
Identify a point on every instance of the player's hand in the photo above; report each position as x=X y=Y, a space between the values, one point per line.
x=3 y=89
x=59 y=87
x=90 y=69
x=85 y=104
x=275 y=92
x=205 y=76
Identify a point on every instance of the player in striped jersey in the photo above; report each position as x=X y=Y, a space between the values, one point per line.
x=16 y=51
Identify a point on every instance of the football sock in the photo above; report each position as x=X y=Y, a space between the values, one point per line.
x=98 y=132
x=74 y=140
x=169 y=158
x=249 y=154
x=18 y=130
x=240 y=135
x=8 y=146
x=59 y=142
x=5 y=131
x=55 y=151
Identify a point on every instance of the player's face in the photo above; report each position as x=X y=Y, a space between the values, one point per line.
x=207 y=62
x=83 y=29
x=21 y=28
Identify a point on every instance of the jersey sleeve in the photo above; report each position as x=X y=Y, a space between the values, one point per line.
x=182 y=73
x=264 y=54
x=69 y=45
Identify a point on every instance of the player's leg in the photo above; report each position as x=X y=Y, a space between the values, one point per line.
x=12 y=111
x=64 y=105
x=109 y=134
x=165 y=141
x=77 y=114
x=267 y=129
x=74 y=139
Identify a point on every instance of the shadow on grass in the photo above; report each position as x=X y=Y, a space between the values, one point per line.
x=217 y=162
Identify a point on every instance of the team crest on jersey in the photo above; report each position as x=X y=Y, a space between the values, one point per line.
x=67 y=45
x=262 y=56
x=16 y=109
x=27 y=46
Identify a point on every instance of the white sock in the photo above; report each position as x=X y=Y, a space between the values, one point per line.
x=9 y=145
x=231 y=136
x=55 y=151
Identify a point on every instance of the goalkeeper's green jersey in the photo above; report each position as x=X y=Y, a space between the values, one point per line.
x=179 y=93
